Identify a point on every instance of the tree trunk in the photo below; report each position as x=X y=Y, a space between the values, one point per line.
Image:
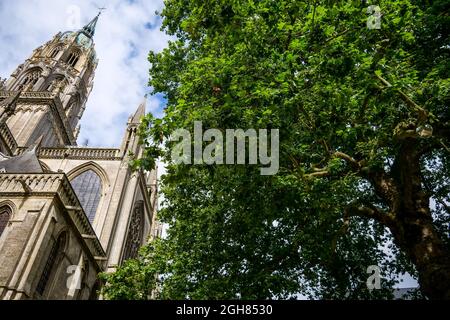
x=412 y=225
x=421 y=242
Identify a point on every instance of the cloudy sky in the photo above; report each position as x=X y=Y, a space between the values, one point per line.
x=126 y=32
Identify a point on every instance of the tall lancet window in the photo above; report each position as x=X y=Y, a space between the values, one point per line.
x=5 y=215
x=88 y=188
x=55 y=52
x=51 y=263
x=73 y=58
x=135 y=232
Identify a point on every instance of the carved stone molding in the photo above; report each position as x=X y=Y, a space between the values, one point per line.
x=81 y=153
x=8 y=138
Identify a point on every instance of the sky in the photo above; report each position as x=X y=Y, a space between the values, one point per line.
x=127 y=30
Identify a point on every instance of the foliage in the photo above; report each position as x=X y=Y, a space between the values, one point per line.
x=348 y=101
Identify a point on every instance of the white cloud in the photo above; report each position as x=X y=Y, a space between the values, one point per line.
x=122 y=43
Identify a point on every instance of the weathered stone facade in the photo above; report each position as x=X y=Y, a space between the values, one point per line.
x=66 y=212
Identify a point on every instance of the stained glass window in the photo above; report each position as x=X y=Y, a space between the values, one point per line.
x=57 y=247
x=5 y=214
x=135 y=232
x=88 y=188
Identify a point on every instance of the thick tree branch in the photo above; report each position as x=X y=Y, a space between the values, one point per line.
x=370 y=211
x=324 y=172
x=445 y=146
x=318 y=174
x=355 y=164
x=423 y=114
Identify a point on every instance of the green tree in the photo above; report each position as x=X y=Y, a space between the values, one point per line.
x=364 y=149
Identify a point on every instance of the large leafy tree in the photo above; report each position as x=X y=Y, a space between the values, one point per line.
x=364 y=150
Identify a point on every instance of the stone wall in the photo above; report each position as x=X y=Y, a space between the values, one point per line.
x=44 y=209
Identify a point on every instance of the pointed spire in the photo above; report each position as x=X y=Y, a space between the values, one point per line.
x=89 y=29
x=140 y=112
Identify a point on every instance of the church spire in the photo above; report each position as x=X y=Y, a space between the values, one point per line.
x=130 y=141
x=140 y=112
x=72 y=82
x=89 y=29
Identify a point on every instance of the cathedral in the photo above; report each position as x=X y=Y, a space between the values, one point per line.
x=67 y=213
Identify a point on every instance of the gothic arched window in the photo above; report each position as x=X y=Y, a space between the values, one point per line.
x=5 y=215
x=135 y=232
x=56 y=249
x=31 y=78
x=72 y=109
x=73 y=58
x=55 y=52
x=88 y=188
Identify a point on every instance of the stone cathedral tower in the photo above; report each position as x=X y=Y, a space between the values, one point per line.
x=64 y=68
x=66 y=212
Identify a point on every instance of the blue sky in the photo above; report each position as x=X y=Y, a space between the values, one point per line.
x=126 y=32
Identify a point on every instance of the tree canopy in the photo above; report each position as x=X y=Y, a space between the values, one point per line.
x=364 y=151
